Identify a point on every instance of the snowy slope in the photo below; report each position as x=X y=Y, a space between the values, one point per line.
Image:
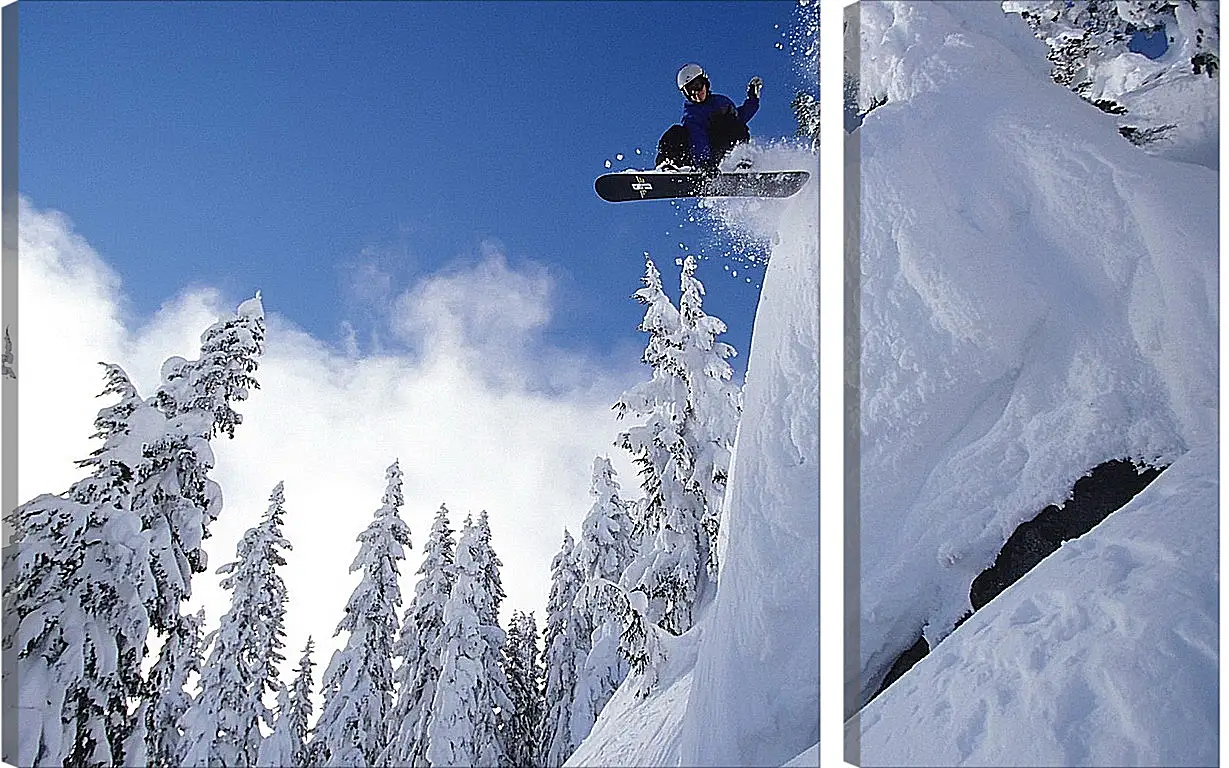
x=1038 y=296
x=1104 y=654
x=751 y=695
x=634 y=730
x=755 y=690
x=1187 y=102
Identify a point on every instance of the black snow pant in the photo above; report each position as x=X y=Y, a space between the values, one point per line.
x=724 y=132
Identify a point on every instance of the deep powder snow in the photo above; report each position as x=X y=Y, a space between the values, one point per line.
x=743 y=686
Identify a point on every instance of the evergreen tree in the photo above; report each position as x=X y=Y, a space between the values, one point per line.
x=472 y=689
x=565 y=652
x=277 y=750
x=300 y=702
x=691 y=410
x=492 y=594
x=520 y=725
x=806 y=112
x=286 y=746
x=639 y=639
x=603 y=554
x=78 y=588
x=167 y=697
x=662 y=401
x=358 y=684
x=419 y=648
x=222 y=725
x=175 y=498
x=606 y=545
x=805 y=43
x=93 y=570
x=715 y=404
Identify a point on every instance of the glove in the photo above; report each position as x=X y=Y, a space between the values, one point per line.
x=753 y=87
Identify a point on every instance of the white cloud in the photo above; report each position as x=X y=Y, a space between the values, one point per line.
x=489 y=309
x=57 y=353
x=470 y=427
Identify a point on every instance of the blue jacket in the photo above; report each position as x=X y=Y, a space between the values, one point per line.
x=697 y=116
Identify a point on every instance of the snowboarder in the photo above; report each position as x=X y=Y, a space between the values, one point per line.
x=711 y=125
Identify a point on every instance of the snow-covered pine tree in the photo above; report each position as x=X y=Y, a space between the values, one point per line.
x=300 y=703
x=77 y=589
x=286 y=746
x=419 y=648
x=167 y=697
x=658 y=447
x=804 y=39
x=519 y=727
x=606 y=545
x=358 y=684
x=472 y=689
x=806 y=112
x=218 y=723
x=691 y=411
x=223 y=373
x=661 y=400
x=222 y=725
x=277 y=750
x=564 y=654
x=639 y=639
x=489 y=562
x=715 y=406
x=114 y=555
x=174 y=496
x=603 y=554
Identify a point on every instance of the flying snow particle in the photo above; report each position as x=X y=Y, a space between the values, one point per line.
x=619 y=156
x=607 y=163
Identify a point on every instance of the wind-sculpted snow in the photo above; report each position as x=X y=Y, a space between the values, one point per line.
x=1104 y=654
x=751 y=695
x=755 y=690
x=1037 y=295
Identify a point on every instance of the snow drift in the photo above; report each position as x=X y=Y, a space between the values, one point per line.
x=1037 y=297
x=1104 y=654
x=742 y=687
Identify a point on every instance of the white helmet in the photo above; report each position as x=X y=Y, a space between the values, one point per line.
x=688 y=73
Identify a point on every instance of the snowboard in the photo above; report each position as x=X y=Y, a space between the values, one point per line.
x=664 y=185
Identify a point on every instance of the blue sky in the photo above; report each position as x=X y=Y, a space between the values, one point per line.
x=340 y=157
x=308 y=148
